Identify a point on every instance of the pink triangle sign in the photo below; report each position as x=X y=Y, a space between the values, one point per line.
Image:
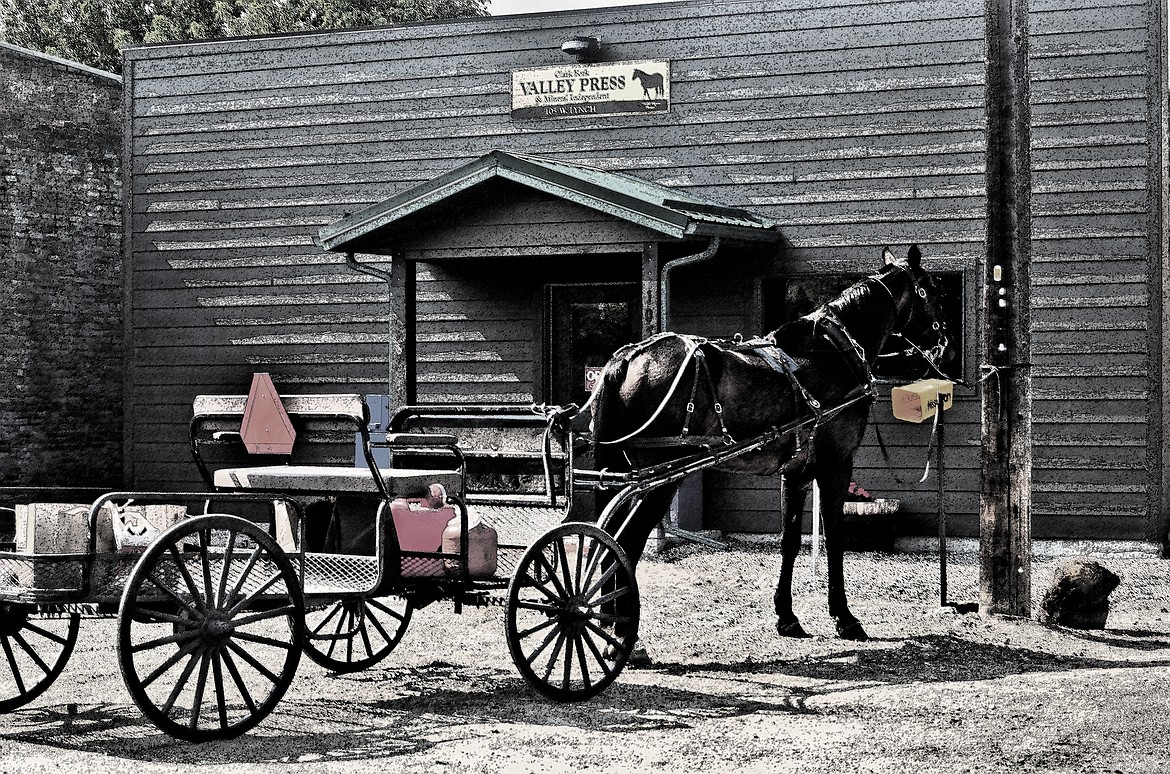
x=266 y=428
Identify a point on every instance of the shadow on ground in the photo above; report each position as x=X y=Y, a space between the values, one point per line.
x=424 y=707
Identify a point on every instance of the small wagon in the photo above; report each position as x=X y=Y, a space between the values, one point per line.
x=278 y=559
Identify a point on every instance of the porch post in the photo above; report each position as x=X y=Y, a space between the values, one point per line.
x=651 y=265
x=402 y=338
x=1005 y=507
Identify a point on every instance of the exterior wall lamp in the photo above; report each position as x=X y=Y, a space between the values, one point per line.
x=586 y=49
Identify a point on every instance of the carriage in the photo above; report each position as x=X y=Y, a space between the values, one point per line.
x=215 y=612
x=331 y=559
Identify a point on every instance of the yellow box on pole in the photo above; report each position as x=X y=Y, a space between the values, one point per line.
x=919 y=401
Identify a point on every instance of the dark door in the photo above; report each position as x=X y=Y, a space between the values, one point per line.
x=585 y=324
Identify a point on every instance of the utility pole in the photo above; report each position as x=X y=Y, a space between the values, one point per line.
x=1005 y=508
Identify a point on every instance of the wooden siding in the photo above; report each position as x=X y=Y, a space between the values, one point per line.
x=853 y=123
x=1095 y=156
x=480 y=323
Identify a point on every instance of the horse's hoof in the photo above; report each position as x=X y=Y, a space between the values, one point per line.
x=791 y=629
x=639 y=657
x=852 y=631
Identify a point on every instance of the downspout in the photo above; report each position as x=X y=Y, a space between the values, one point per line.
x=664 y=282
x=352 y=263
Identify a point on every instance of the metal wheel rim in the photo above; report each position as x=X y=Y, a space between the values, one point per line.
x=349 y=635
x=210 y=629
x=558 y=623
x=33 y=651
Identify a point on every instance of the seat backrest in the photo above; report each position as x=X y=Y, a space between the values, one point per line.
x=325 y=426
x=350 y=406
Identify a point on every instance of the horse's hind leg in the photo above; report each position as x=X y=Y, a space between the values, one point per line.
x=834 y=483
x=787 y=624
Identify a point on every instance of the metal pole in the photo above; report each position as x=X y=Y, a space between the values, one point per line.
x=942 y=513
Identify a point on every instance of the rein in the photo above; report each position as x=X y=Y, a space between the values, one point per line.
x=929 y=357
x=692 y=345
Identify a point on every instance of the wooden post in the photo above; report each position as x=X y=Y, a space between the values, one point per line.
x=1005 y=523
x=651 y=269
x=402 y=322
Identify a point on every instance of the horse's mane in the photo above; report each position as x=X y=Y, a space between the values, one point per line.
x=799 y=334
x=850 y=298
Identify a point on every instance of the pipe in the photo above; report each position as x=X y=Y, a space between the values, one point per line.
x=351 y=262
x=664 y=282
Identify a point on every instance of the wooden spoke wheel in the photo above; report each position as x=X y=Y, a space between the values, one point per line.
x=33 y=651
x=572 y=617
x=211 y=628
x=349 y=635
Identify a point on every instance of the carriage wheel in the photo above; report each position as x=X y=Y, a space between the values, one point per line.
x=34 y=651
x=349 y=635
x=572 y=618
x=211 y=628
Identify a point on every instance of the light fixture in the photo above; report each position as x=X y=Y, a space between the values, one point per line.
x=583 y=47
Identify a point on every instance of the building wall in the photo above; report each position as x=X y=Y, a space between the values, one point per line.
x=1096 y=266
x=854 y=124
x=60 y=260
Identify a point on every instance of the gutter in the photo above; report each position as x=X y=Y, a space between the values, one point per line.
x=664 y=281
x=352 y=263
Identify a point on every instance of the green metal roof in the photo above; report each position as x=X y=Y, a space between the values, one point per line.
x=673 y=213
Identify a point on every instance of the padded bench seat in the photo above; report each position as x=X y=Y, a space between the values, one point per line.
x=328 y=478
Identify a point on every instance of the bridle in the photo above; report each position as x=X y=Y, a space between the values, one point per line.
x=934 y=354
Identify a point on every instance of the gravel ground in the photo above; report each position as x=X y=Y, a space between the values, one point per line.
x=932 y=691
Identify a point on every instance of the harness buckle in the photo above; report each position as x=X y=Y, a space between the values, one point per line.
x=718 y=408
x=690 y=408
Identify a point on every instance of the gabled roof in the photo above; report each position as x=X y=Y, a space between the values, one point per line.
x=668 y=211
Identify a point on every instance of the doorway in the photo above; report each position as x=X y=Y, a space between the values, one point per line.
x=585 y=324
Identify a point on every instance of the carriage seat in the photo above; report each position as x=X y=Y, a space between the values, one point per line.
x=333 y=479
x=324 y=428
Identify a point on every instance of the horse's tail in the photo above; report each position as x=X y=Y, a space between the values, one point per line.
x=607 y=414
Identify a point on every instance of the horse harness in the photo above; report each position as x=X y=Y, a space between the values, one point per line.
x=783 y=364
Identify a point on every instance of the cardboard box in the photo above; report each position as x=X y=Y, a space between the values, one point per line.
x=61 y=528
x=920 y=401
x=137 y=526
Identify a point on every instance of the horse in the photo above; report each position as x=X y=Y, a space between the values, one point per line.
x=677 y=387
x=651 y=82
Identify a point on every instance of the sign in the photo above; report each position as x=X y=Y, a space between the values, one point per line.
x=588 y=90
x=592 y=376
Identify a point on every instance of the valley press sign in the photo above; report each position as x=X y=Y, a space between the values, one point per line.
x=583 y=91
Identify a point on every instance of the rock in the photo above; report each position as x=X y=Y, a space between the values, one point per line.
x=1079 y=597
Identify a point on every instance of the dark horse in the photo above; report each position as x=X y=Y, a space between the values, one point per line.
x=736 y=392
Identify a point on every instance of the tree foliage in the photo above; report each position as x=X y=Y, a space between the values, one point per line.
x=93 y=32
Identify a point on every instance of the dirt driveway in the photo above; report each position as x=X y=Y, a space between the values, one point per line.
x=931 y=692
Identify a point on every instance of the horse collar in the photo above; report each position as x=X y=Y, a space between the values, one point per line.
x=866 y=376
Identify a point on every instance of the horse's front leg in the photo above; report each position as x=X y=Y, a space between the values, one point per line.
x=834 y=484
x=787 y=624
x=632 y=530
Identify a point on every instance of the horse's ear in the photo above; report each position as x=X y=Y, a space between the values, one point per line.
x=887 y=256
x=914 y=257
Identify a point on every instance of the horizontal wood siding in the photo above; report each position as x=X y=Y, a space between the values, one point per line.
x=1092 y=266
x=853 y=123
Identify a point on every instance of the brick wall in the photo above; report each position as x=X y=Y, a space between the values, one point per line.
x=60 y=273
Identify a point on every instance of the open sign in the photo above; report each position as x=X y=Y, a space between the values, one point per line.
x=592 y=375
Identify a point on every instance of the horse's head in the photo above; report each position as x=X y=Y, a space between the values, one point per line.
x=920 y=322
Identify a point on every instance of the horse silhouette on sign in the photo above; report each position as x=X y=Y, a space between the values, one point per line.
x=651 y=84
